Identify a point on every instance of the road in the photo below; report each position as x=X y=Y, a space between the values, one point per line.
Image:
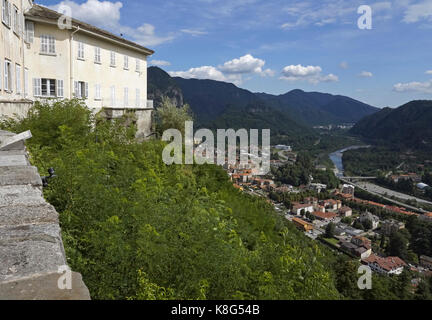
x=371 y=188
x=390 y=193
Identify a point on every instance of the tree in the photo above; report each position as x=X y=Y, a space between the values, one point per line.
x=330 y=230
x=168 y=116
x=398 y=245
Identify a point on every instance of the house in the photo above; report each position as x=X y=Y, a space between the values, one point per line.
x=317 y=187
x=321 y=167
x=298 y=207
x=345 y=211
x=311 y=200
x=332 y=204
x=324 y=216
x=358 y=247
x=46 y=61
x=426 y=262
x=302 y=225
x=283 y=147
x=348 y=189
x=388 y=227
x=389 y=265
x=367 y=216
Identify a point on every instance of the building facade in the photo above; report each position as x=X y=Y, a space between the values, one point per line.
x=57 y=58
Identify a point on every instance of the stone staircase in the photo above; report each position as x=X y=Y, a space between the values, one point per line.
x=33 y=263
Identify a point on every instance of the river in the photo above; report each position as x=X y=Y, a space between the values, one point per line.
x=336 y=158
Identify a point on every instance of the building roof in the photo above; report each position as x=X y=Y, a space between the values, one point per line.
x=426 y=258
x=324 y=215
x=301 y=222
x=345 y=209
x=388 y=264
x=43 y=13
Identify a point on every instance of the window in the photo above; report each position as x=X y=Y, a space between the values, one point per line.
x=97 y=55
x=126 y=97
x=6 y=12
x=29 y=34
x=16 y=21
x=138 y=65
x=7 y=76
x=37 y=87
x=60 y=88
x=126 y=62
x=113 y=59
x=48 y=87
x=81 y=89
x=26 y=82
x=113 y=96
x=98 y=92
x=47 y=44
x=81 y=50
x=18 y=78
x=137 y=97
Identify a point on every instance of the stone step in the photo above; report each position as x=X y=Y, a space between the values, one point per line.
x=21 y=249
x=19 y=215
x=21 y=195
x=19 y=175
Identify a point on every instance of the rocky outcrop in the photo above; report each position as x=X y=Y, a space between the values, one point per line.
x=33 y=263
x=160 y=84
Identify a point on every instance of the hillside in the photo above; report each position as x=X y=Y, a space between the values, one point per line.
x=408 y=126
x=210 y=99
x=316 y=108
x=161 y=84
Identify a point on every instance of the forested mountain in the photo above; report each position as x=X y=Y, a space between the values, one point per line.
x=409 y=126
x=160 y=84
x=314 y=108
x=210 y=99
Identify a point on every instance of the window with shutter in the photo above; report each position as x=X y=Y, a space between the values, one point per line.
x=113 y=59
x=26 y=82
x=97 y=55
x=126 y=97
x=37 y=88
x=86 y=90
x=29 y=26
x=7 y=76
x=18 y=78
x=80 y=50
x=126 y=62
x=113 y=96
x=60 y=89
x=47 y=44
x=137 y=98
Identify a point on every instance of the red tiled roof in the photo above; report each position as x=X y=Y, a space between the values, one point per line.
x=324 y=215
x=388 y=264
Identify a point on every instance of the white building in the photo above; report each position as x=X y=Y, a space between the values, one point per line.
x=389 y=265
x=43 y=59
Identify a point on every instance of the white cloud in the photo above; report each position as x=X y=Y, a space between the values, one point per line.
x=419 y=11
x=106 y=14
x=231 y=71
x=423 y=87
x=312 y=74
x=245 y=64
x=206 y=72
x=429 y=72
x=365 y=74
x=160 y=63
x=194 y=33
x=344 y=65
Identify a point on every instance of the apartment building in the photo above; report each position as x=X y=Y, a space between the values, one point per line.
x=61 y=59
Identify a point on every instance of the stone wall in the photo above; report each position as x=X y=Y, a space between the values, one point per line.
x=15 y=108
x=32 y=257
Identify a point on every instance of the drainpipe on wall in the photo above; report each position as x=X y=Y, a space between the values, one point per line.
x=71 y=63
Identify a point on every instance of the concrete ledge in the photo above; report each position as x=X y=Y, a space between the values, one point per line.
x=31 y=248
x=20 y=195
x=19 y=175
x=44 y=287
x=22 y=247
x=20 y=215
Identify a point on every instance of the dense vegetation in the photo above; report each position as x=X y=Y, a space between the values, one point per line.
x=408 y=126
x=301 y=172
x=139 y=229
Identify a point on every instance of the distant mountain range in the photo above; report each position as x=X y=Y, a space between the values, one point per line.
x=409 y=126
x=290 y=116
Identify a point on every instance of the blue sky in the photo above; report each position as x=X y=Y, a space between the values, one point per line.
x=275 y=46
